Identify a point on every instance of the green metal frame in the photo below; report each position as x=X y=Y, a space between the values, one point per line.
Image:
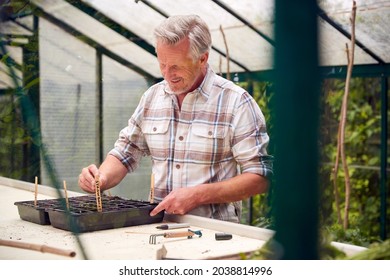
x=384 y=149
x=31 y=83
x=297 y=88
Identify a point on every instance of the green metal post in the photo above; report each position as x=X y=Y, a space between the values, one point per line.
x=296 y=113
x=383 y=176
x=31 y=115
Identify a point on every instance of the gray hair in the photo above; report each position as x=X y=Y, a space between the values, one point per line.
x=175 y=28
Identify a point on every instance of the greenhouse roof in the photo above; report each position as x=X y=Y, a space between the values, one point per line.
x=123 y=30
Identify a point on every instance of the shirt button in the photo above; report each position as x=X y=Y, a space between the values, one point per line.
x=181 y=138
x=177 y=166
x=154 y=128
x=210 y=133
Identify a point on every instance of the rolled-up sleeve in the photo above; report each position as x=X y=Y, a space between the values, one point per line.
x=250 y=138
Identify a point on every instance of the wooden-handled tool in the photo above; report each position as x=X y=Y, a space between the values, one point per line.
x=189 y=234
x=37 y=247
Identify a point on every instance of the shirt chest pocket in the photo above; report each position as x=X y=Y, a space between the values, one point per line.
x=209 y=142
x=157 y=138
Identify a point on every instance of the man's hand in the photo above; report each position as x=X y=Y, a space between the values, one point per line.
x=87 y=178
x=110 y=172
x=179 y=201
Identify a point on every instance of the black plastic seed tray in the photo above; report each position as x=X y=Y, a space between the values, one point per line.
x=82 y=215
x=117 y=212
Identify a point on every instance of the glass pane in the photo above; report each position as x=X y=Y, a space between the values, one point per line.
x=141 y=20
x=101 y=34
x=136 y=17
x=122 y=90
x=332 y=47
x=372 y=23
x=6 y=79
x=67 y=101
x=10 y=27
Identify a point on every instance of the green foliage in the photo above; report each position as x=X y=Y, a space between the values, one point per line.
x=13 y=138
x=351 y=236
x=376 y=251
x=362 y=144
x=262 y=92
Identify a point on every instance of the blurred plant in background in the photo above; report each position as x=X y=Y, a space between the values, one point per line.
x=363 y=155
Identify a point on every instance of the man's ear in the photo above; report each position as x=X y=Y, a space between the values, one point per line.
x=204 y=58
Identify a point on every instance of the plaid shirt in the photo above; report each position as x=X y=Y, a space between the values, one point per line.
x=218 y=129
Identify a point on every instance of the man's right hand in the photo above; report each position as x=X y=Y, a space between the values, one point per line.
x=111 y=172
x=87 y=178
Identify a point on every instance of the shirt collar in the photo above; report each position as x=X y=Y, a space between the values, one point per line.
x=206 y=85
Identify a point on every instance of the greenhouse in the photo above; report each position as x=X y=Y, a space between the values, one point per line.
x=72 y=74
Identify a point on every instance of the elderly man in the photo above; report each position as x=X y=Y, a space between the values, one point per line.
x=206 y=136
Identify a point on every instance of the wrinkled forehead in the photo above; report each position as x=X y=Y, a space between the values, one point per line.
x=180 y=50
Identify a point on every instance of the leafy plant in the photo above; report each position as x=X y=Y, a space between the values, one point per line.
x=363 y=157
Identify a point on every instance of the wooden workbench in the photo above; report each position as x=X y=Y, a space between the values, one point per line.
x=121 y=243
